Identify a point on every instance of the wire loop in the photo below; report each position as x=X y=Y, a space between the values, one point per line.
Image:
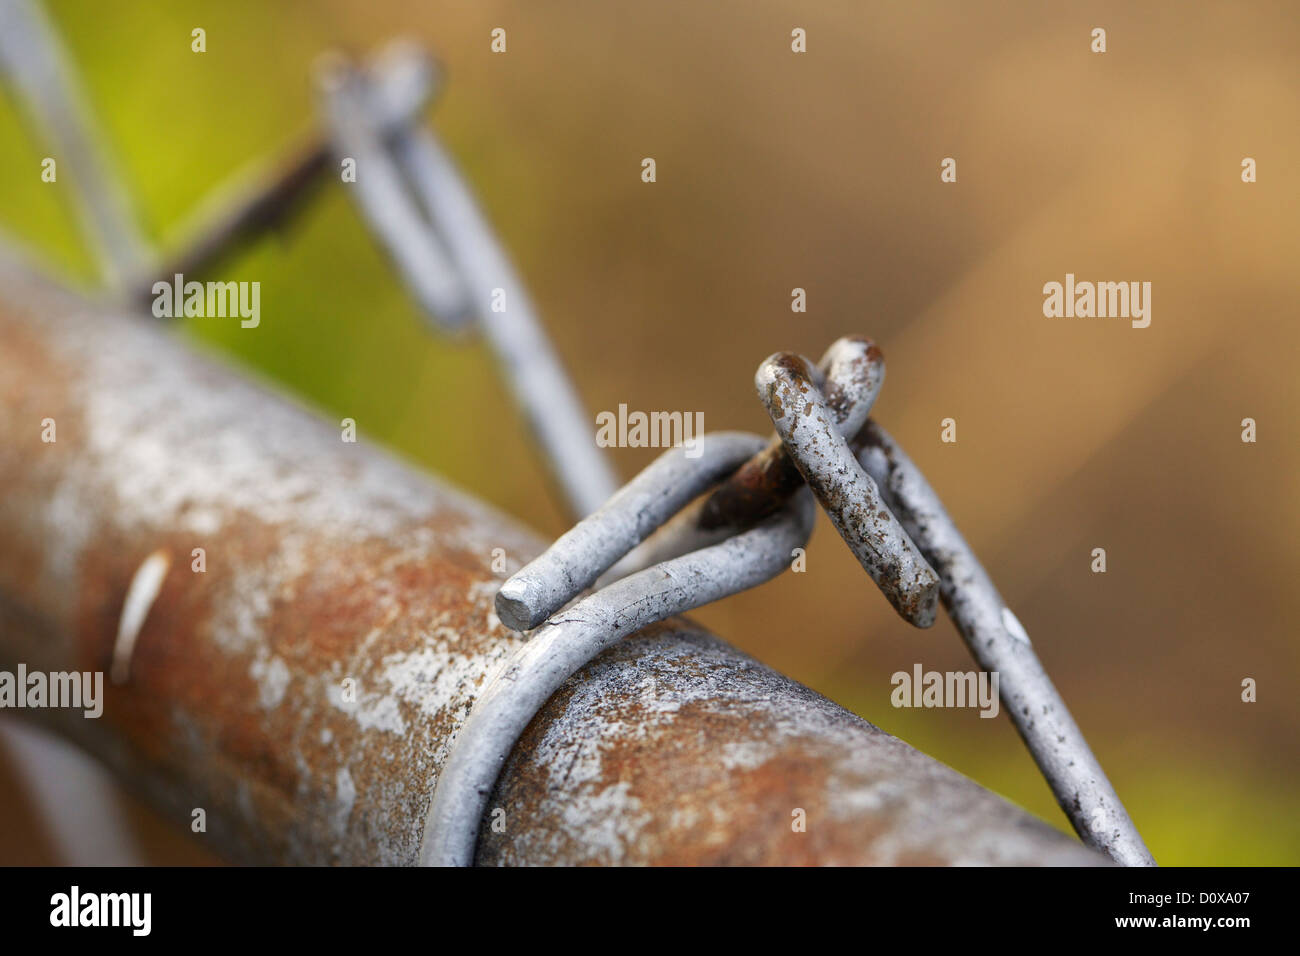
x=572 y=637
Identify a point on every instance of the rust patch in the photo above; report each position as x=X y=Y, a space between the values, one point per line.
x=670 y=749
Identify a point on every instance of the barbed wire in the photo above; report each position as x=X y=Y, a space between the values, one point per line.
x=681 y=534
x=885 y=511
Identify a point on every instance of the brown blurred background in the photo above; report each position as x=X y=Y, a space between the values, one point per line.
x=821 y=170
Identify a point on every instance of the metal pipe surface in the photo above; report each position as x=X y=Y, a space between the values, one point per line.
x=304 y=689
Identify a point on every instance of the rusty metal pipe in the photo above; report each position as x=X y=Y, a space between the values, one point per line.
x=304 y=688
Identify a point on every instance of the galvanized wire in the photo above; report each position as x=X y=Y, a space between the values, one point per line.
x=812 y=439
x=892 y=521
x=583 y=553
x=571 y=638
x=897 y=527
x=999 y=644
x=510 y=324
x=350 y=102
x=854 y=371
x=423 y=214
x=431 y=225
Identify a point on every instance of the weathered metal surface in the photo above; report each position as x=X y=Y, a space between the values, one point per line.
x=672 y=748
x=812 y=438
x=854 y=371
x=572 y=637
x=327 y=561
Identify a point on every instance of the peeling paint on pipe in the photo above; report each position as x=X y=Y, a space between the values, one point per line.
x=304 y=689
